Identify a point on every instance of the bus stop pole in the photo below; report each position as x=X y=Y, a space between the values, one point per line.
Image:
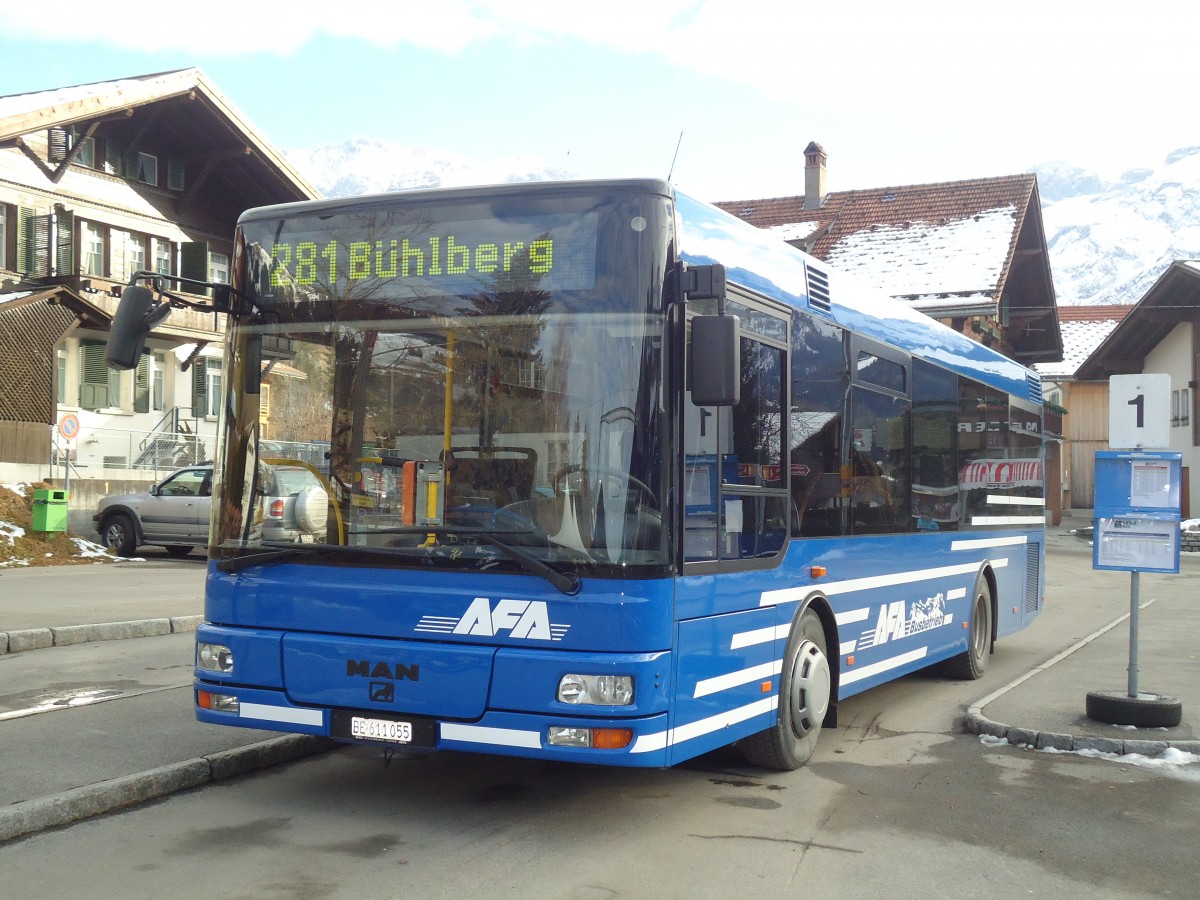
x=1134 y=596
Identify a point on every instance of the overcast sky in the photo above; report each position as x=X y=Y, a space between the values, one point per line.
x=897 y=93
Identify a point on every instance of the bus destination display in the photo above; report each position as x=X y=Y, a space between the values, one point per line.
x=544 y=253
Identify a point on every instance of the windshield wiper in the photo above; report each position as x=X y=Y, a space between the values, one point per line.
x=567 y=582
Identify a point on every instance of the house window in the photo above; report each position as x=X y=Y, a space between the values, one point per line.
x=93 y=250
x=87 y=152
x=144 y=168
x=135 y=254
x=61 y=373
x=1181 y=407
x=157 y=385
x=162 y=257
x=206 y=386
x=213 y=373
x=218 y=268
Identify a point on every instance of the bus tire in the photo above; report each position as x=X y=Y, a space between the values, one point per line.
x=805 y=690
x=970 y=664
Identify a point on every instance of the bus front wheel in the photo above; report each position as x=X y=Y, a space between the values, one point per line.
x=805 y=688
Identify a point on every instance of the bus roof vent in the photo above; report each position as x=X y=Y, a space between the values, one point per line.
x=818 y=288
x=1035 y=387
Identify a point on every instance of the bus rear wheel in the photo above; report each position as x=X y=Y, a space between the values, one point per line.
x=805 y=689
x=971 y=664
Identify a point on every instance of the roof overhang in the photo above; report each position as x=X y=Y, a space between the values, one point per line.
x=1172 y=300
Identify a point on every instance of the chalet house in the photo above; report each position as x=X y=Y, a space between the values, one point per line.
x=1161 y=334
x=1082 y=405
x=97 y=182
x=971 y=254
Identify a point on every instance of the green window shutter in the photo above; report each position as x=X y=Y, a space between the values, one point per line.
x=65 y=264
x=199 y=388
x=176 y=180
x=113 y=158
x=141 y=386
x=25 y=216
x=193 y=264
x=94 y=382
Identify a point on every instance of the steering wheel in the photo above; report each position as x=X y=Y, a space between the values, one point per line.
x=561 y=475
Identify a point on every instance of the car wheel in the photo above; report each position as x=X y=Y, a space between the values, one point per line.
x=177 y=550
x=120 y=536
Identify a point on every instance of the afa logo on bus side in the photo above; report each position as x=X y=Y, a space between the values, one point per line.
x=521 y=619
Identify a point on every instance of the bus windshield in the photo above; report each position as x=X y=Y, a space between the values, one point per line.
x=459 y=386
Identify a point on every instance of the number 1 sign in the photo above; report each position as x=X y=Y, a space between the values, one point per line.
x=1139 y=412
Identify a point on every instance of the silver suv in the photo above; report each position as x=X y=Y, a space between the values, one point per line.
x=175 y=512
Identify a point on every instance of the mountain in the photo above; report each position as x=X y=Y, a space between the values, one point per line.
x=364 y=166
x=1109 y=240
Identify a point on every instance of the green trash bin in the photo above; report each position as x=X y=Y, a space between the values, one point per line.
x=50 y=510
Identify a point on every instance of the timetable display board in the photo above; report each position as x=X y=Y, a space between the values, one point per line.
x=1137 y=514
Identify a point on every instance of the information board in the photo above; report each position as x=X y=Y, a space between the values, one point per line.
x=1136 y=542
x=1136 y=525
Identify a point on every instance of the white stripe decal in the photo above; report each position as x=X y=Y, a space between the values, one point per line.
x=854 y=615
x=1008 y=520
x=985 y=543
x=707 y=686
x=885 y=666
x=266 y=713
x=851 y=585
x=646 y=743
x=759 y=636
x=1002 y=500
x=956 y=594
x=847 y=647
x=501 y=737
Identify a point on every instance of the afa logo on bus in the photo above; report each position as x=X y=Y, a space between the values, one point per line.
x=520 y=619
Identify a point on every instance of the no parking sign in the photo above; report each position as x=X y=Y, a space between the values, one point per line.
x=68 y=426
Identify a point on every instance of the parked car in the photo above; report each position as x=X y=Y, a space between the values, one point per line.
x=175 y=512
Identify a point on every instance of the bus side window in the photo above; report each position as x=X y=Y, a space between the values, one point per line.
x=820 y=378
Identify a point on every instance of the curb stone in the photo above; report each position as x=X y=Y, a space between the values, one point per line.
x=66 y=635
x=979 y=724
x=30 y=816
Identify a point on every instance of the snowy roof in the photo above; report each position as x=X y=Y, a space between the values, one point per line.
x=1172 y=300
x=947 y=248
x=1083 y=329
x=925 y=257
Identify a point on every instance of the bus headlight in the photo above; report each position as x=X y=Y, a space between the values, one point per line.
x=596 y=690
x=214 y=658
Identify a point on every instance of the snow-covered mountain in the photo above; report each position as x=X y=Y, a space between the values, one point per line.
x=1108 y=240
x=364 y=166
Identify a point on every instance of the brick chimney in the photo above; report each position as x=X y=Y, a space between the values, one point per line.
x=814 y=176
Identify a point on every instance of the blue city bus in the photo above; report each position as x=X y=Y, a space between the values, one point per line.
x=606 y=476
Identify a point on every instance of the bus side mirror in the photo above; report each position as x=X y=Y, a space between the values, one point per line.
x=715 y=361
x=136 y=315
